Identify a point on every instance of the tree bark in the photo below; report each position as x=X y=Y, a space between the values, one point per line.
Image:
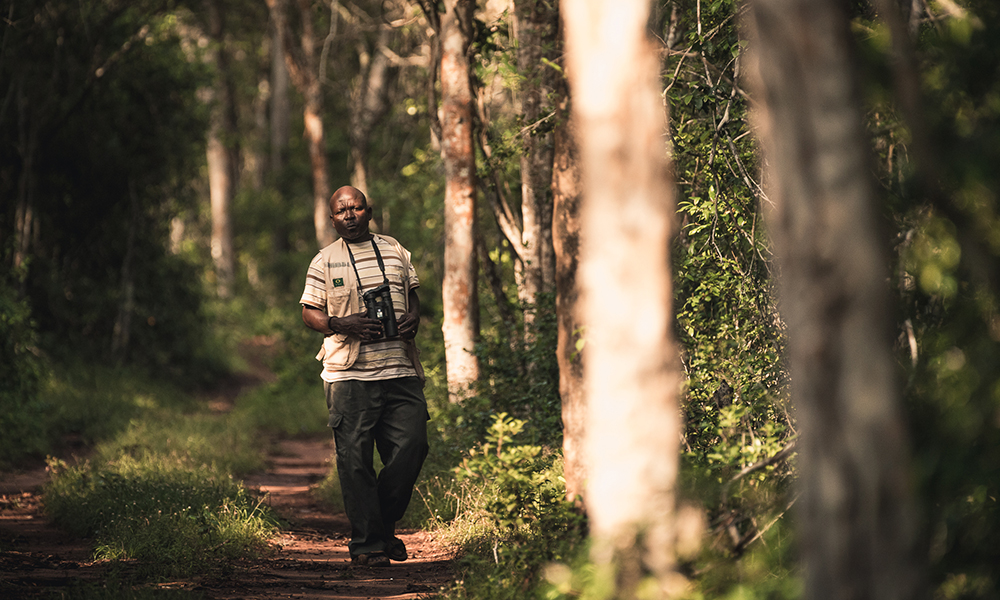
x=303 y=69
x=280 y=105
x=856 y=516
x=220 y=155
x=566 y=197
x=632 y=375
x=460 y=324
x=536 y=32
x=369 y=103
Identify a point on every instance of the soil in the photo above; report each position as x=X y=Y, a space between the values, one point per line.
x=310 y=558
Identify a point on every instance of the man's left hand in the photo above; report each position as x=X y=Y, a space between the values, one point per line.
x=407 y=326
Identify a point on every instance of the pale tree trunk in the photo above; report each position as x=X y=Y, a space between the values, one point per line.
x=280 y=124
x=458 y=287
x=369 y=103
x=536 y=32
x=221 y=167
x=566 y=196
x=303 y=68
x=280 y=105
x=632 y=375
x=856 y=516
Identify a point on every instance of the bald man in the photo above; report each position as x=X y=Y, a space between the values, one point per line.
x=373 y=384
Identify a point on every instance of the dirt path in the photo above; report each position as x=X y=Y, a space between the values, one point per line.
x=311 y=560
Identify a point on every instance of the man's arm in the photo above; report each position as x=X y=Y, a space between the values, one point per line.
x=357 y=325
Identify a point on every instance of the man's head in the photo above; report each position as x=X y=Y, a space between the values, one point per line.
x=350 y=213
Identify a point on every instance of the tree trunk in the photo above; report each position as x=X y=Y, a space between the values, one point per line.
x=566 y=196
x=369 y=103
x=856 y=517
x=632 y=375
x=536 y=32
x=303 y=69
x=280 y=126
x=458 y=288
x=280 y=105
x=126 y=303
x=25 y=223
x=221 y=166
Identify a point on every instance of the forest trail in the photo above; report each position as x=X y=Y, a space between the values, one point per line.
x=310 y=559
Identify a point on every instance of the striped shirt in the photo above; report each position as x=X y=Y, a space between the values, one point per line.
x=377 y=359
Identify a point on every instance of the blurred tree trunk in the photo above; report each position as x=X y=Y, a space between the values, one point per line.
x=280 y=128
x=280 y=105
x=221 y=154
x=369 y=103
x=856 y=516
x=536 y=27
x=303 y=68
x=458 y=289
x=25 y=223
x=566 y=196
x=632 y=376
x=126 y=303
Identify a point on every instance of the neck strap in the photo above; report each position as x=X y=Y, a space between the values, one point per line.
x=378 y=257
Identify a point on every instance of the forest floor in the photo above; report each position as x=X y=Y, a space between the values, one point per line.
x=309 y=559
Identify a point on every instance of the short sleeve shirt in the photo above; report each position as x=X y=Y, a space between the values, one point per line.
x=377 y=359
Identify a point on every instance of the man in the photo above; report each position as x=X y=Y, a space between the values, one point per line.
x=374 y=385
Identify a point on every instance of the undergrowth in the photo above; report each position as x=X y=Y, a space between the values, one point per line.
x=174 y=518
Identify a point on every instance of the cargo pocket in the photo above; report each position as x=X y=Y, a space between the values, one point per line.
x=335 y=420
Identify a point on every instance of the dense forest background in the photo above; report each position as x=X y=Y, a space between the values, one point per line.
x=163 y=168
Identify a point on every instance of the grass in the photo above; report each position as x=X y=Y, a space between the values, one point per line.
x=159 y=492
x=172 y=517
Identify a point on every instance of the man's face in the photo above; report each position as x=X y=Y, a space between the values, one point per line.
x=351 y=215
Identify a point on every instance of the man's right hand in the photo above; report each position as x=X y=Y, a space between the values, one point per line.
x=357 y=325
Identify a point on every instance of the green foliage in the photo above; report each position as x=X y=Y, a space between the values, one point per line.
x=23 y=413
x=98 y=402
x=512 y=518
x=102 y=139
x=176 y=519
x=944 y=216
x=520 y=486
x=732 y=339
x=522 y=380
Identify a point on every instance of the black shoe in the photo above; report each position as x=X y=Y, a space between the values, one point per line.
x=370 y=559
x=396 y=550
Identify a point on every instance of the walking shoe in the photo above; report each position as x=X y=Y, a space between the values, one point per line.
x=370 y=559
x=396 y=550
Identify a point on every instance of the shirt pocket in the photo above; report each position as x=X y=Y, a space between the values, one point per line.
x=338 y=302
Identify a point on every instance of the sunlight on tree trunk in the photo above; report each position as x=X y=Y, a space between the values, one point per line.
x=460 y=324
x=856 y=518
x=221 y=166
x=633 y=373
x=566 y=195
x=536 y=32
x=303 y=69
x=369 y=103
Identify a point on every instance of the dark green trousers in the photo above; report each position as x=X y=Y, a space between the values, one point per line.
x=392 y=416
